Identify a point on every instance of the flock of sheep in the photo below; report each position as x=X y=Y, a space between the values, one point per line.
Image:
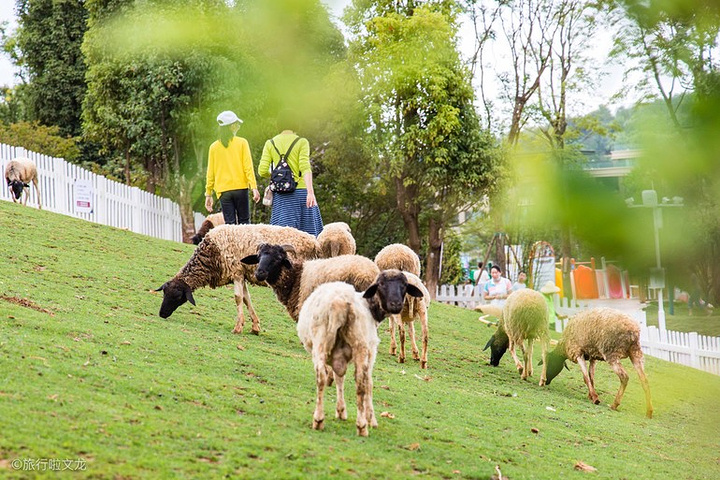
x=338 y=299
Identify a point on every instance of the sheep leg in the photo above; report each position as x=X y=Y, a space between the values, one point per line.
x=340 y=409
x=248 y=303
x=26 y=191
x=361 y=386
x=591 y=374
x=543 y=373
x=393 y=343
x=591 y=388
x=637 y=360
x=37 y=192
x=413 y=343
x=425 y=337
x=518 y=365
x=401 y=330
x=239 y=288
x=369 y=408
x=622 y=374
x=320 y=381
x=527 y=357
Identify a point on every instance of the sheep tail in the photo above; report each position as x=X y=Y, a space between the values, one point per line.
x=337 y=316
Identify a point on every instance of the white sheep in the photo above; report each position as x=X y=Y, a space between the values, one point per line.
x=336 y=239
x=216 y=262
x=18 y=175
x=400 y=257
x=293 y=282
x=210 y=222
x=601 y=334
x=338 y=326
x=524 y=318
x=414 y=308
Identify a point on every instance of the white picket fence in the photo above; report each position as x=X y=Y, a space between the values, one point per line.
x=113 y=203
x=689 y=349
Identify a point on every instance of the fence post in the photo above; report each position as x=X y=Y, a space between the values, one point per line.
x=694 y=350
x=137 y=211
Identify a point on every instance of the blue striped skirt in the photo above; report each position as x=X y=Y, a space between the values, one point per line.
x=290 y=210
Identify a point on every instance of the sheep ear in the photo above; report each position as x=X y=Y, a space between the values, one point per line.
x=162 y=287
x=189 y=296
x=251 y=260
x=540 y=362
x=413 y=291
x=26 y=185
x=286 y=263
x=492 y=339
x=371 y=291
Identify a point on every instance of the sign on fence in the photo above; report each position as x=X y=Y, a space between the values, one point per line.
x=83 y=196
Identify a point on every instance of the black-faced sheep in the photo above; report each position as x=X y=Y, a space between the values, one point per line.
x=414 y=308
x=601 y=334
x=18 y=175
x=338 y=326
x=210 y=222
x=216 y=262
x=336 y=239
x=524 y=318
x=403 y=258
x=293 y=282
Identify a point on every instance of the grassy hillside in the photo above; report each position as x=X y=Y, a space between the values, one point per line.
x=91 y=375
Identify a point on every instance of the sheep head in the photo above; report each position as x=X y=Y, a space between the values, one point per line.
x=498 y=344
x=16 y=186
x=175 y=293
x=270 y=261
x=391 y=286
x=556 y=362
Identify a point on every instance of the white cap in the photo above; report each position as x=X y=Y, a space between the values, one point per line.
x=227 y=118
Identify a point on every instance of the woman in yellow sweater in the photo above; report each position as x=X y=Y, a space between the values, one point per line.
x=230 y=172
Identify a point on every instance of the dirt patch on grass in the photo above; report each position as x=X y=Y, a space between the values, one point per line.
x=24 y=302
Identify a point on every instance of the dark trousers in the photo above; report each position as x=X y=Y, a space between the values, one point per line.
x=235 y=206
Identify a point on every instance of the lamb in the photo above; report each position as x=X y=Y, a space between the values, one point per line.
x=18 y=173
x=336 y=239
x=293 y=282
x=210 y=222
x=413 y=308
x=338 y=326
x=601 y=334
x=524 y=318
x=402 y=257
x=216 y=262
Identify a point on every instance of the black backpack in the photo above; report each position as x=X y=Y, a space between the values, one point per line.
x=281 y=177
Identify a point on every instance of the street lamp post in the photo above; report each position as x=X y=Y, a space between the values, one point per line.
x=657 y=278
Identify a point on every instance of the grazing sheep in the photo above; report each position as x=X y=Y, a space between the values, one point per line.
x=210 y=222
x=398 y=256
x=601 y=334
x=403 y=258
x=293 y=282
x=413 y=308
x=338 y=326
x=216 y=262
x=18 y=173
x=336 y=239
x=524 y=318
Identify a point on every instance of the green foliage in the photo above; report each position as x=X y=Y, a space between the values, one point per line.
x=452 y=272
x=39 y=138
x=48 y=40
x=87 y=362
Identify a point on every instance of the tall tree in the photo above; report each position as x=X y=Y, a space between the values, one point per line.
x=48 y=43
x=423 y=126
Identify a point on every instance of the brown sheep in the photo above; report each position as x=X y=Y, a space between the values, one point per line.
x=601 y=334
x=336 y=239
x=18 y=173
x=210 y=222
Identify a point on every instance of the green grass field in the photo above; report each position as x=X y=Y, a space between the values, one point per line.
x=94 y=384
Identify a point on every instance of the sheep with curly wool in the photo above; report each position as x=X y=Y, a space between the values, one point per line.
x=294 y=281
x=18 y=175
x=216 y=262
x=336 y=239
x=524 y=318
x=601 y=334
x=338 y=326
x=210 y=222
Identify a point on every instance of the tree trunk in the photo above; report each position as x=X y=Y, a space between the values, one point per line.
x=409 y=212
x=127 y=165
x=432 y=262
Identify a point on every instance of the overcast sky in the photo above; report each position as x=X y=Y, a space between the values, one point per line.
x=7 y=13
